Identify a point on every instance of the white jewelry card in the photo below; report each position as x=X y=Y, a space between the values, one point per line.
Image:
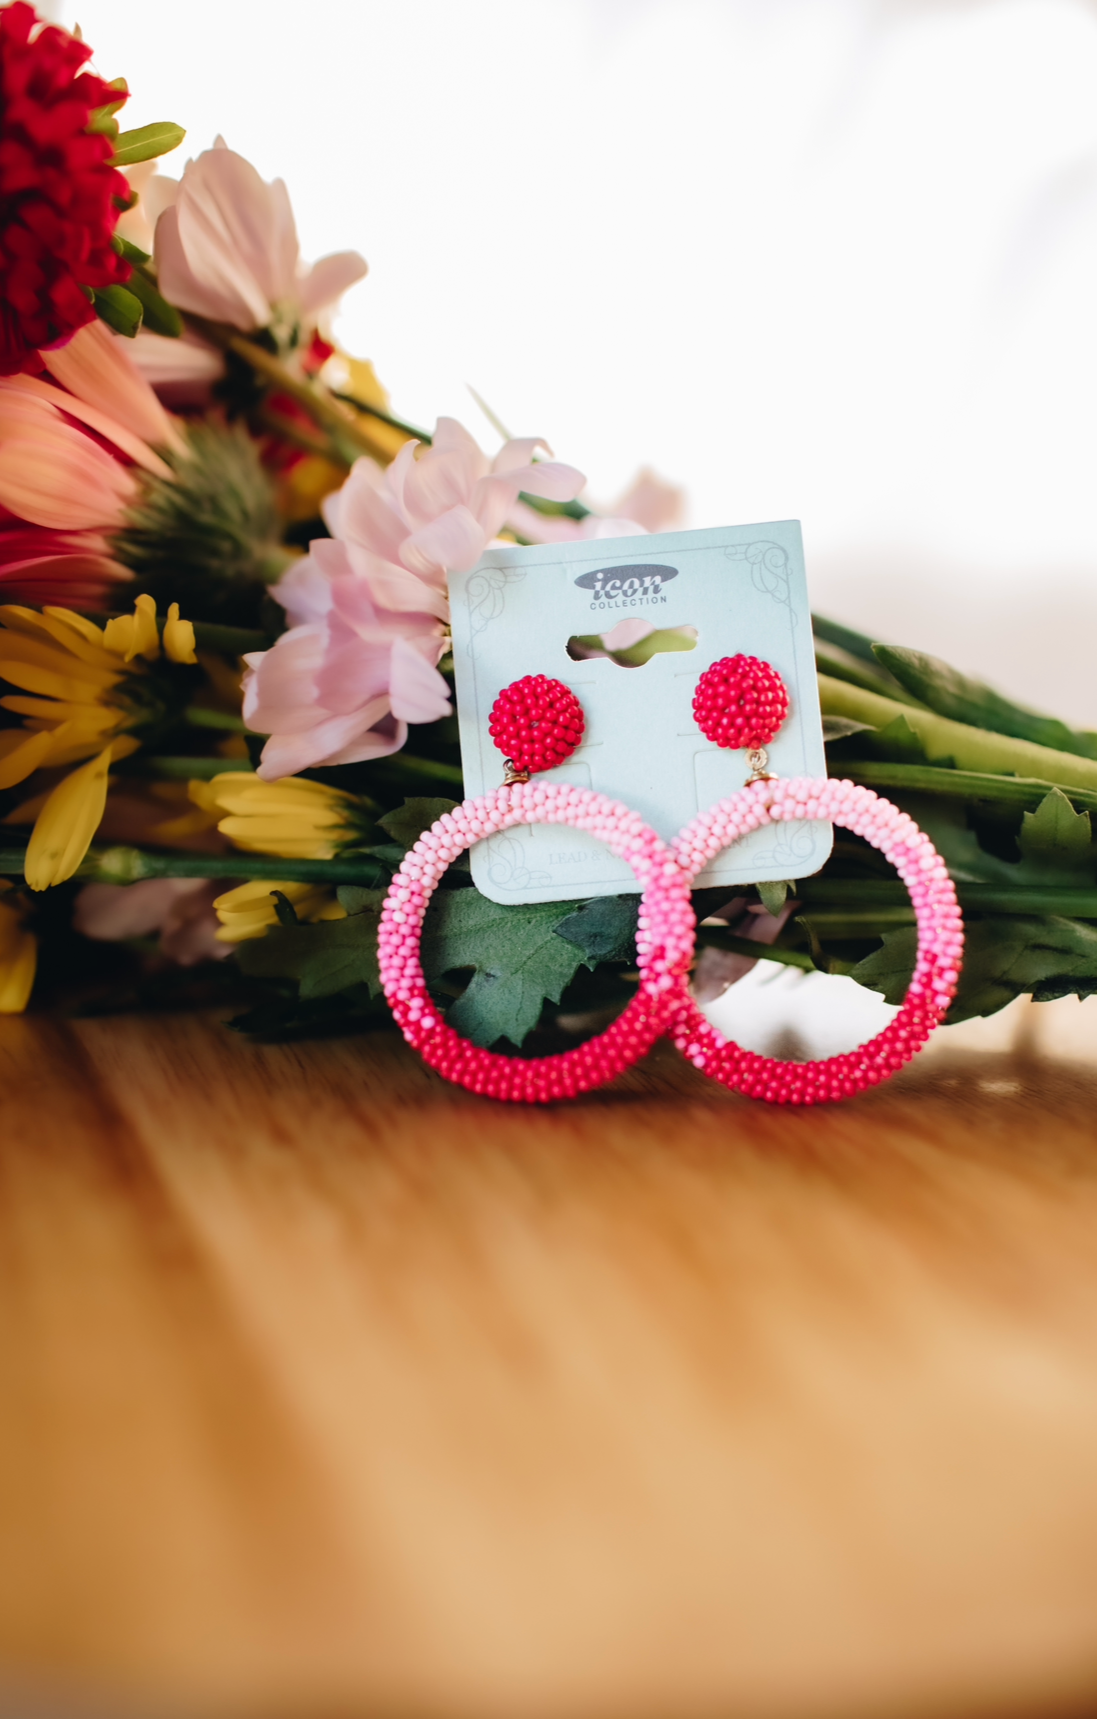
x=581 y=613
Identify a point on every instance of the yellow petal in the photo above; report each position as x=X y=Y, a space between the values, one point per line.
x=77 y=637
x=34 y=679
x=18 y=961
x=66 y=824
x=47 y=654
x=21 y=754
x=248 y=911
x=178 y=638
x=134 y=635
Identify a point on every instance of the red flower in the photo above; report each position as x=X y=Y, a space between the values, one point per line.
x=57 y=189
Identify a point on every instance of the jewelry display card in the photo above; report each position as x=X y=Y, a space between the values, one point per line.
x=629 y=624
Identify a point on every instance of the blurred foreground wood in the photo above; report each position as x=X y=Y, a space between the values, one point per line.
x=326 y=1389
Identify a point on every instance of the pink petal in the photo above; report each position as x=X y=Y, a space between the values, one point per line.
x=219 y=248
x=435 y=483
x=364 y=515
x=627 y=633
x=280 y=689
x=305 y=590
x=96 y=367
x=394 y=588
x=550 y=479
x=184 y=368
x=69 y=484
x=380 y=741
x=328 y=742
x=328 y=280
x=418 y=692
x=455 y=541
x=519 y=451
x=353 y=673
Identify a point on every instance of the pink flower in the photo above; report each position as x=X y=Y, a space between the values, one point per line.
x=365 y=607
x=409 y=526
x=69 y=451
x=179 y=908
x=226 y=248
x=344 y=684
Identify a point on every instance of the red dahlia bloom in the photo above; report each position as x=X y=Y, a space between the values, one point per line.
x=57 y=189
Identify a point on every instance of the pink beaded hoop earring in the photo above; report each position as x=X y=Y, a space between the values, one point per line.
x=766 y=800
x=538 y=722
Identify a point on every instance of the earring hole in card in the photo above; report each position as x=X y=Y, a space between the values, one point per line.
x=631 y=643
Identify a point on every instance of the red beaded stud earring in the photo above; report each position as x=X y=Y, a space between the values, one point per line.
x=537 y=723
x=742 y=702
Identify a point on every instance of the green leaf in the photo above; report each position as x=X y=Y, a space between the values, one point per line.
x=330 y=956
x=954 y=695
x=604 y=929
x=119 y=308
x=773 y=896
x=407 y=823
x=1056 y=832
x=898 y=741
x=517 y=958
x=160 y=316
x=840 y=727
x=890 y=968
x=146 y=143
x=1003 y=958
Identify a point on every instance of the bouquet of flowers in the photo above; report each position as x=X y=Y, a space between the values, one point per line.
x=226 y=704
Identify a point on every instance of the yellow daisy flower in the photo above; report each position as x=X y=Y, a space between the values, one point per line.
x=249 y=910
x=294 y=818
x=76 y=682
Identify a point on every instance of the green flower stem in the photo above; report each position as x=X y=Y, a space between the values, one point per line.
x=1032 y=900
x=199 y=717
x=1022 y=791
x=180 y=769
x=710 y=936
x=968 y=748
x=400 y=764
x=132 y=865
x=322 y=408
x=230 y=641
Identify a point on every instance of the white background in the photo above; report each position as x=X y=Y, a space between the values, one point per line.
x=829 y=259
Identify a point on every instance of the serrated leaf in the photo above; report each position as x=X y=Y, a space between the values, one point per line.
x=899 y=741
x=407 y=823
x=1056 y=832
x=1003 y=958
x=517 y=958
x=146 y=143
x=955 y=695
x=119 y=309
x=356 y=898
x=890 y=968
x=840 y=727
x=604 y=929
x=330 y=956
x=159 y=316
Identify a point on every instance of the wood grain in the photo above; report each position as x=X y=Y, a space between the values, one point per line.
x=325 y=1388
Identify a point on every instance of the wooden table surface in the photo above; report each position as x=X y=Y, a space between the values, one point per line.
x=327 y=1389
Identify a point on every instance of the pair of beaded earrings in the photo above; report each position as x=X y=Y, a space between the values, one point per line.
x=740 y=702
